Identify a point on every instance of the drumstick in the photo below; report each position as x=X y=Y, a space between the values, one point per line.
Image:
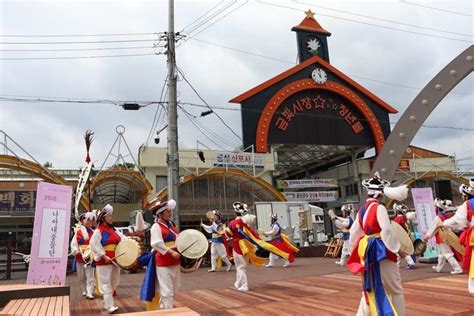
x=112 y=259
x=182 y=252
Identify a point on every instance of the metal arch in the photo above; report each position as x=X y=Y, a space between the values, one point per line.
x=419 y=110
x=35 y=169
x=163 y=194
x=431 y=175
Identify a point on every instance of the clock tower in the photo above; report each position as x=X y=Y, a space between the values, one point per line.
x=311 y=38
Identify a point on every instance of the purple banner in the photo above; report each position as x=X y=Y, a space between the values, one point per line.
x=50 y=235
x=425 y=209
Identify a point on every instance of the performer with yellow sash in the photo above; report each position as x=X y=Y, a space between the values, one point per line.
x=245 y=242
x=344 y=223
x=83 y=257
x=280 y=240
x=219 y=248
x=103 y=242
x=464 y=219
x=167 y=258
x=375 y=252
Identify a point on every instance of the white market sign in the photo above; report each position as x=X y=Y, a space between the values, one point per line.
x=306 y=183
x=243 y=160
x=312 y=196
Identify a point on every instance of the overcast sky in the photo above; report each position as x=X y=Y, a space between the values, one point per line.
x=244 y=44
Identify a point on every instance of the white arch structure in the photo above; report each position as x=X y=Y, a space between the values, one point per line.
x=419 y=110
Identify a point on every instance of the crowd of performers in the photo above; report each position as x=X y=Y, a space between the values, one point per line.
x=371 y=248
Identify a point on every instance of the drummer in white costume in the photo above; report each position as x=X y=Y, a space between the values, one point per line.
x=218 y=249
x=103 y=242
x=167 y=258
x=80 y=247
x=344 y=223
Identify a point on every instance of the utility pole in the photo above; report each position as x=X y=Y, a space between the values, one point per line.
x=172 y=157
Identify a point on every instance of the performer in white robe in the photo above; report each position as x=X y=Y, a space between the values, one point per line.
x=218 y=248
x=464 y=219
x=372 y=238
x=344 y=223
x=167 y=258
x=80 y=247
x=103 y=242
x=444 y=211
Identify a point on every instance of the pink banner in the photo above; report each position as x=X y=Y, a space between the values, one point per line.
x=50 y=235
x=425 y=209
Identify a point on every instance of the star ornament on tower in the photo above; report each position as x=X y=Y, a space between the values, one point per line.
x=309 y=14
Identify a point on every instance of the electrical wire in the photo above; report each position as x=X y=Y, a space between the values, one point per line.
x=382 y=20
x=77 y=35
x=434 y=8
x=366 y=23
x=230 y=4
x=153 y=127
x=199 y=96
x=83 y=42
x=77 y=57
x=292 y=63
x=200 y=17
x=76 y=49
x=202 y=30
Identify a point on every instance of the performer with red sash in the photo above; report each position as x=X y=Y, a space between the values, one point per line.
x=344 y=223
x=219 y=247
x=103 y=242
x=167 y=258
x=444 y=210
x=245 y=242
x=401 y=219
x=375 y=252
x=464 y=218
x=80 y=249
x=280 y=240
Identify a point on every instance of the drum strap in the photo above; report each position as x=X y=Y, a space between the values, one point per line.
x=170 y=244
x=109 y=247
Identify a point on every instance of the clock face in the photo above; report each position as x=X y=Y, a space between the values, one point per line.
x=313 y=45
x=319 y=76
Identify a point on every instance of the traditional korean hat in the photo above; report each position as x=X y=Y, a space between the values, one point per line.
x=467 y=189
x=347 y=207
x=218 y=213
x=163 y=206
x=376 y=186
x=274 y=216
x=108 y=209
x=82 y=217
x=90 y=216
x=400 y=207
x=449 y=206
x=240 y=208
x=439 y=203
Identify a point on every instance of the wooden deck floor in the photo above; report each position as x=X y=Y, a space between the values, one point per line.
x=334 y=294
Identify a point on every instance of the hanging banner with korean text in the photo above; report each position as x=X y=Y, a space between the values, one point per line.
x=50 y=242
x=425 y=210
x=306 y=183
x=312 y=196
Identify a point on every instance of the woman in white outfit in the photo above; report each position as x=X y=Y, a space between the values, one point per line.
x=103 y=242
x=218 y=249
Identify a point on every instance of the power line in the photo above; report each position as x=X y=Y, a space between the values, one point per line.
x=199 y=96
x=78 y=57
x=77 y=35
x=76 y=49
x=200 y=17
x=202 y=30
x=383 y=20
x=434 y=8
x=159 y=106
x=82 y=42
x=292 y=63
x=366 y=23
x=230 y=4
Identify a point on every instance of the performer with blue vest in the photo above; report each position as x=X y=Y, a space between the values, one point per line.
x=464 y=218
x=344 y=223
x=280 y=241
x=103 y=242
x=444 y=210
x=219 y=248
x=375 y=250
x=167 y=258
